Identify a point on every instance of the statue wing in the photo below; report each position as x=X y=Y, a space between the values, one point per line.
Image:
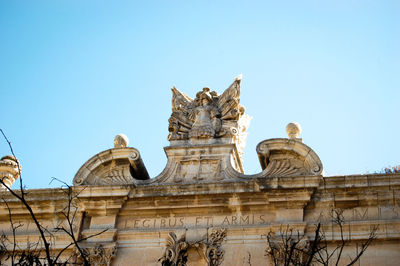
x=180 y=100
x=181 y=119
x=228 y=102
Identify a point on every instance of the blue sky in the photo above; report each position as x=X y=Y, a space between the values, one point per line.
x=73 y=74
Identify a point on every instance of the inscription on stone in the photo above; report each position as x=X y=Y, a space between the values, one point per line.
x=195 y=221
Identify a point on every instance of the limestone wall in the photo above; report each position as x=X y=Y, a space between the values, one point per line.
x=139 y=219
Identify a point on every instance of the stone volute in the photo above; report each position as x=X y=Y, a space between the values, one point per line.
x=118 y=166
x=288 y=157
x=9 y=170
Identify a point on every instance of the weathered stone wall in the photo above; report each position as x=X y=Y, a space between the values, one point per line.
x=140 y=218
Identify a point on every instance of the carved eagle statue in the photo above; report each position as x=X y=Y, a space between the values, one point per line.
x=209 y=115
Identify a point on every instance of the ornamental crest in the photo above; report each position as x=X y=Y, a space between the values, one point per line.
x=209 y=115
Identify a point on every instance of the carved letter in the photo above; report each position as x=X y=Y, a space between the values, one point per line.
x=225 y=220
x=144 y=221
x=244 y=220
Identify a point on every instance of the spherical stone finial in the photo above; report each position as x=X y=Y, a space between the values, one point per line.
x=293 y=130
x=121 y=141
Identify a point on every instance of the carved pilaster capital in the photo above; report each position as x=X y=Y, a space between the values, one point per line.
x=100 y=254
x=287 y=246
x=214 y=252
x=176 y=250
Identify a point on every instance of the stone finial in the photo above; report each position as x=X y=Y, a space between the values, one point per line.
x=9 y=171
x=121 y=141
x=293 y=130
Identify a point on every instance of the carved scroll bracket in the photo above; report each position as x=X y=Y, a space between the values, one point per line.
x=117 y=166
x=288 y=157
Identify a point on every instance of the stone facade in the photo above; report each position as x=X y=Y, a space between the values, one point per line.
x=202 y=209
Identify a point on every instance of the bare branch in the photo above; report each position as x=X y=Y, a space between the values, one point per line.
x=31 y=256
x=290 y=249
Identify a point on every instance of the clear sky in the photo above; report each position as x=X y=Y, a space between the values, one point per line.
x=73 y=74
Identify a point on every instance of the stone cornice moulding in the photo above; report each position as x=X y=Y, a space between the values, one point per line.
x=281 y=184
x=360 y=181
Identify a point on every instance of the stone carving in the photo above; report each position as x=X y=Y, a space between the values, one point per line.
x=209 y=115
x=176 y=251
x=214 y=252
x=207 y=137
x=288 y=157
x=101 y=255
x=199 y=163
x=209 y=119
x=293 y=130
x=112 y=167
x=279 y=246
x=285 y=167
x=9 y=170
x=198 y=169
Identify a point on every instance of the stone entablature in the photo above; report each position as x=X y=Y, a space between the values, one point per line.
x=139 y=218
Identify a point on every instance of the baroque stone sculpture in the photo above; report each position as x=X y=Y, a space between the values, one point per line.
x=207 y=137
x=208 y=116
